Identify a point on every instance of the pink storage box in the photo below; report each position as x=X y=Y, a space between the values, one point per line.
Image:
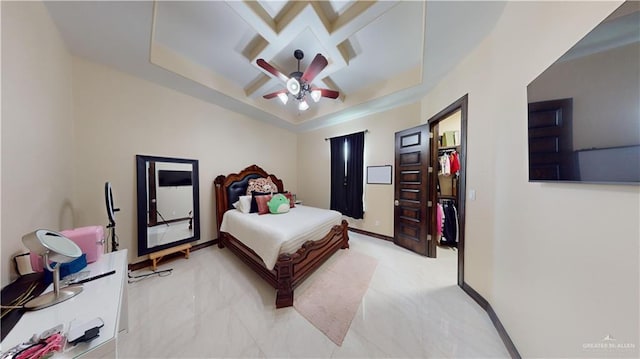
x=90 y=240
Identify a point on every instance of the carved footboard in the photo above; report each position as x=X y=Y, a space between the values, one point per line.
x=292 y=269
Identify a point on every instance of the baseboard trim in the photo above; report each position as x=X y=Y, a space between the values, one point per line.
x=148 y=263
x=511 y=348
x=371 y=234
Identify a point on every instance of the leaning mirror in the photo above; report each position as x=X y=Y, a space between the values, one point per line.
x=168 y=206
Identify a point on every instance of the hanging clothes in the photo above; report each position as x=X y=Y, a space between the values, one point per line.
x=454 y=162
x=445 y=165
x=450 y=228
x=439 y=218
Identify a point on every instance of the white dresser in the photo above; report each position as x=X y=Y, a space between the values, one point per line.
x=105 y=298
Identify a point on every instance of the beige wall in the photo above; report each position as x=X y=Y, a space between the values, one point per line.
x=314 y=164
x=557 y=262
x=37 y=128
x=118 y=116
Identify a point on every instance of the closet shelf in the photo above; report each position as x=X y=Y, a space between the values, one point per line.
x=449 y=148
x=442 y=196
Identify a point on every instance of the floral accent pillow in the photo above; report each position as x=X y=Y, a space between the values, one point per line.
x=261 y=185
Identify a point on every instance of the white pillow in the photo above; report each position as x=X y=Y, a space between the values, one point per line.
x=244 y=204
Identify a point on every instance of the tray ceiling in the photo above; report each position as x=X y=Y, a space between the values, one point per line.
x=381 y=54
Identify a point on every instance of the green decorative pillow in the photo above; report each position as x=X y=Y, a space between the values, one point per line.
x=278 y=204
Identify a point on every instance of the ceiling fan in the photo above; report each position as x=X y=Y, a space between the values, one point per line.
x=298 y=83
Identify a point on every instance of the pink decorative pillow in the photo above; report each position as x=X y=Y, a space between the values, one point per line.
x=263 y=207
x=261 y=185
x=289 y=196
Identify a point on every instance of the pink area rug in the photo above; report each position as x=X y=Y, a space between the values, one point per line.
x=332 y=300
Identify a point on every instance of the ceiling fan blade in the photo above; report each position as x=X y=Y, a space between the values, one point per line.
x=318 y=64
x=327 y=93
x=274 y=94
x=272 y=70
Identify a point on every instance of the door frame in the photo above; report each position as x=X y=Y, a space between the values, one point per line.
x=462 y=105
x=152 y=216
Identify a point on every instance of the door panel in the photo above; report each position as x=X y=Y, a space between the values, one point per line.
x=551 y=155
x=411 y=172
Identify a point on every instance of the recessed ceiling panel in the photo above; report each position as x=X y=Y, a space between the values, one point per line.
x=340 y=6
x=391 y=45
x=273 y=7
x=333 y=9
x=208 y=33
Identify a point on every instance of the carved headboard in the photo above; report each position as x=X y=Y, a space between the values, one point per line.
x=229 y=188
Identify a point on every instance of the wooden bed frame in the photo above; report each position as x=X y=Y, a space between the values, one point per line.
x=291 y=268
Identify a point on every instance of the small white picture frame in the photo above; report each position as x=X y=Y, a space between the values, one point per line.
x=379 y=174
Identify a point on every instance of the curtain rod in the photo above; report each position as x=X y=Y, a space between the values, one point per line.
x=328 y=138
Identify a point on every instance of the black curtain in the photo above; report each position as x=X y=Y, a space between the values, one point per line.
x=346 y=191
x=338 y=185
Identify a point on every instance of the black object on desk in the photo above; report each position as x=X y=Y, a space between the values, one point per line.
x=95 y=277
x=14 y=290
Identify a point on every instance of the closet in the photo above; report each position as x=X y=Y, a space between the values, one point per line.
x=447 y=190
x=447 y=187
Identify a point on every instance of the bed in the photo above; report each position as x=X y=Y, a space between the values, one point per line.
x=291 y=267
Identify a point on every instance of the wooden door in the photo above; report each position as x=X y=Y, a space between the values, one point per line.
x=551 y=155
x=411 y=214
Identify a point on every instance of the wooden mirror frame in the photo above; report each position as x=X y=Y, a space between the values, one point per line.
x=141 y=185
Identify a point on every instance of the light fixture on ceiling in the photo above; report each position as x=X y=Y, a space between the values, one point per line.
x=316 y=94
x=293 y=86
x=298 y=84
x=283 y=97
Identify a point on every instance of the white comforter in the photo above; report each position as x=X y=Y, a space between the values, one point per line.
x=271 y=234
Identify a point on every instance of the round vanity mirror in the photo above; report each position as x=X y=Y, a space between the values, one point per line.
x=61 y=249
x=52 y=247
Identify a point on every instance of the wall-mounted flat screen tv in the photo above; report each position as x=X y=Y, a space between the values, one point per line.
x=584 y=110
x=173 y=178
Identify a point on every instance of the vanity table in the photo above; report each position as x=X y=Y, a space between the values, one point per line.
x=105 y=297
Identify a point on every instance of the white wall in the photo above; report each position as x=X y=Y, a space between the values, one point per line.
x=557 y=262
x=118 y=116
x=37 y=128
x=314 y=164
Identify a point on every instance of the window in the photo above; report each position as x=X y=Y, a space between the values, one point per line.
x=347 y=181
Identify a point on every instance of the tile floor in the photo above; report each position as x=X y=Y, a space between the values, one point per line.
x=213 y=305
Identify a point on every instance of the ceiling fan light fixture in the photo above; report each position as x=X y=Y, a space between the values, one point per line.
x=315 y=95
x=293 y=86
x=283 y=97
x=298 y=83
